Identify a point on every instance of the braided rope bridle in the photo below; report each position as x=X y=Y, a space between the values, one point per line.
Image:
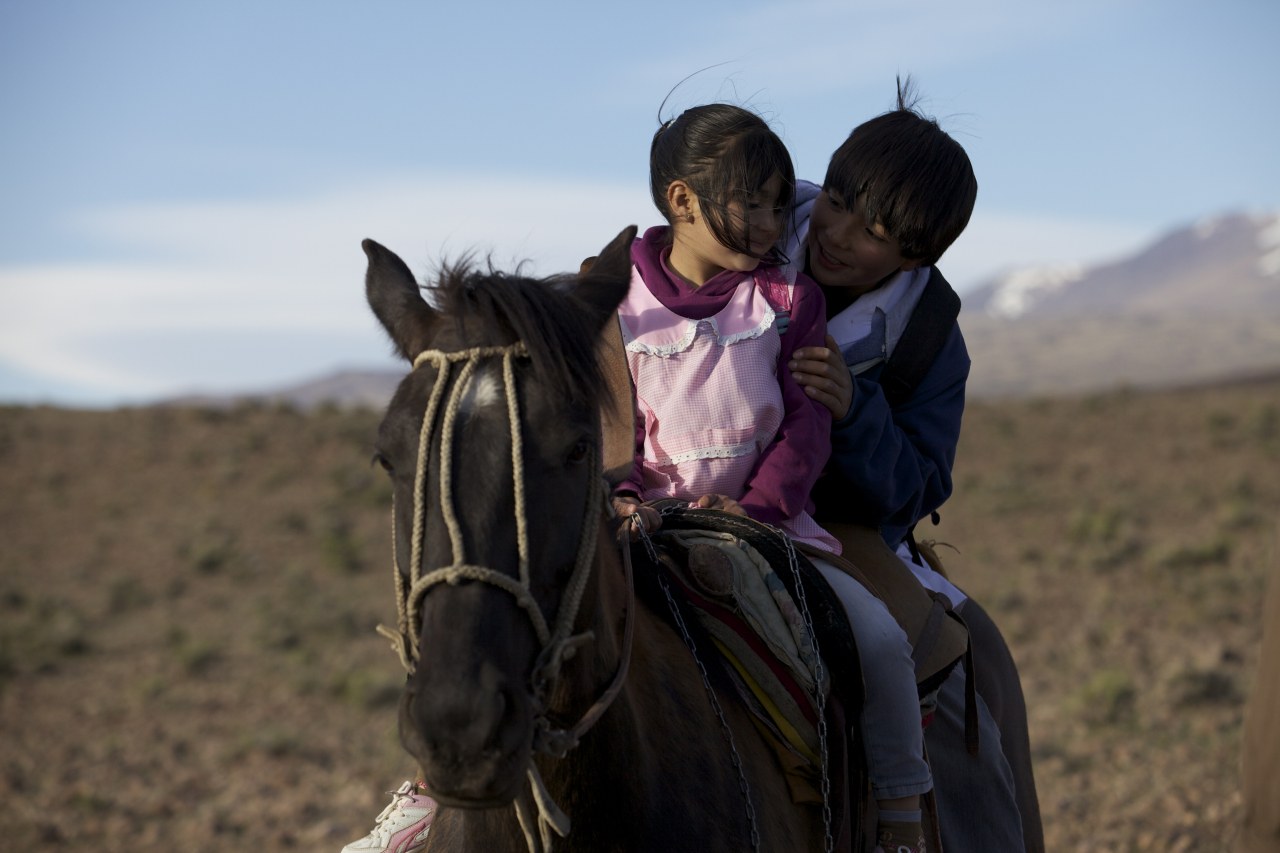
x=538 y=814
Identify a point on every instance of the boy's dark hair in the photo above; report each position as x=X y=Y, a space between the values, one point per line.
x=907 y=175
x=724 y=153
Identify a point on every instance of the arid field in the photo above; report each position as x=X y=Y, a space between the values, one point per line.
x=188 y=600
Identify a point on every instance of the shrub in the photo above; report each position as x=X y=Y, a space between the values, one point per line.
x=1205 y=687
x=1216 y=551
x=194 y=656
x=340 y=548
x=1109 y=698
x=209 y=551
x=367 y=688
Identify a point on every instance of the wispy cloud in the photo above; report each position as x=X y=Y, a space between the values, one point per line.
x=807 y=50
x=232 y=275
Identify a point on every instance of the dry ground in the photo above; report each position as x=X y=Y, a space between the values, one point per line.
x=187 y=602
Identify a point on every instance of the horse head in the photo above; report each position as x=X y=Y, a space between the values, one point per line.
x=492 y=443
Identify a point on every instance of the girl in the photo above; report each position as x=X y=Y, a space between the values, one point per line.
x=706 y=324
x=719 y=423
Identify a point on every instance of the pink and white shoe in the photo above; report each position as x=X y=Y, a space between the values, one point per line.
x=403 y=825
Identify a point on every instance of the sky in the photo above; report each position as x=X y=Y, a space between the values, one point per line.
x=184 y=186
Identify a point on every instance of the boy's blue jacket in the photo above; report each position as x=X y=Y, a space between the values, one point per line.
x=891 y=467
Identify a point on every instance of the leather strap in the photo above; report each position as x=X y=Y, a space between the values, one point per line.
x=618 y=415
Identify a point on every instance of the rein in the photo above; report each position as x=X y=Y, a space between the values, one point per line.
x=538 y=814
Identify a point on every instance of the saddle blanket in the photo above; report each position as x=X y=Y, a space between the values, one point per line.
x=755 y=623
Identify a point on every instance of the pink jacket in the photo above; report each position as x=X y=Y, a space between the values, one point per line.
x=715 y=414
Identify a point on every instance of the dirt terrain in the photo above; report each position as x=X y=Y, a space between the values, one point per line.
x=188 y=598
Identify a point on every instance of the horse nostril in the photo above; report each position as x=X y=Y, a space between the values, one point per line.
x=494 y=704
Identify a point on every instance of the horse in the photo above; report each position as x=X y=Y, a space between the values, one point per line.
x=546 y=701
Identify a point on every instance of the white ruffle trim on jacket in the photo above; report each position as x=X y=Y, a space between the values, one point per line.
x=690 y=334
x=731 y=451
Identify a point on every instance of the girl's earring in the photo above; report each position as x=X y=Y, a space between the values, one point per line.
x=688 y=217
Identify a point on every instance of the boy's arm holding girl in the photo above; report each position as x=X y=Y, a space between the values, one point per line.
x=894 y=464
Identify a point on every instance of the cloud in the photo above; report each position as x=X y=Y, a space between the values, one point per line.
x=234 y=276
x=812 y=49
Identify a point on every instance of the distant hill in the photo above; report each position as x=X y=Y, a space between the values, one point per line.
x=1200 y=304
x=354 y=389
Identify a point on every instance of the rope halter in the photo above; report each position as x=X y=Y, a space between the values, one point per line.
x=538 y=814
x=555 y=639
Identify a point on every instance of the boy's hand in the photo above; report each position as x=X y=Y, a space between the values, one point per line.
x=822 y=373
x=724 y=503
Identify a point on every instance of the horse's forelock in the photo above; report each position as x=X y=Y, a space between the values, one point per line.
x=492 y=307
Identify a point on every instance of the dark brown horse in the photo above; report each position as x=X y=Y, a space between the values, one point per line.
x=517 y=613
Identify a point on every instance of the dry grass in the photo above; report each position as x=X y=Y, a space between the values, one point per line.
x=1123 y=543
x=187 y=600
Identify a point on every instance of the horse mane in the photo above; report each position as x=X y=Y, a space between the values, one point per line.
x=556 y=328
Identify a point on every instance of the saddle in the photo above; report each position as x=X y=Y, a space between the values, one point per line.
x=735 y=585
x=686 y=532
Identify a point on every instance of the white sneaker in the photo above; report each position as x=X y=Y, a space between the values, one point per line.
x=403 y=825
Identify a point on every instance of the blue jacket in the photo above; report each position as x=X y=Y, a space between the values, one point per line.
x=891 y=467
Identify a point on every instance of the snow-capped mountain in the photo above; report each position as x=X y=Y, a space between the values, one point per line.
x=1201 y=303
x=1225 y=263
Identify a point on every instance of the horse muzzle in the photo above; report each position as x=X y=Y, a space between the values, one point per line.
x=472 y=737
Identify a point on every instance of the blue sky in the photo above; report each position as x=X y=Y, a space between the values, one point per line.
x=184 y=186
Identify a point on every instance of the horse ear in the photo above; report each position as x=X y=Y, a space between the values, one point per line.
x=396 y=300
x=603 y=280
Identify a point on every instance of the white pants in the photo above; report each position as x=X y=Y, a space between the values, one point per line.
x=891 y=728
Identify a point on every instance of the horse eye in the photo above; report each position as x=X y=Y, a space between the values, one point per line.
x=580 y=450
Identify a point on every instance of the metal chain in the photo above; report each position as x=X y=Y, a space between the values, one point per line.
x=818 y=675
x=743 y=786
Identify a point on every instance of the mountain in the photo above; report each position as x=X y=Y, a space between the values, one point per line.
x=1220 y=265
x=1201 y=303
x=365 y=389
x=356 y=388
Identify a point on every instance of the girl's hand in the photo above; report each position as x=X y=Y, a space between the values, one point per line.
x=626 y=507
x=822 y=373
x=724 y=503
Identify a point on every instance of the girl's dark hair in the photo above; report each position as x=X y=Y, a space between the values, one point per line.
x=724 y=153
x=909 y=176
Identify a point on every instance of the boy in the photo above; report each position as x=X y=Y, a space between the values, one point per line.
x=897 y=193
